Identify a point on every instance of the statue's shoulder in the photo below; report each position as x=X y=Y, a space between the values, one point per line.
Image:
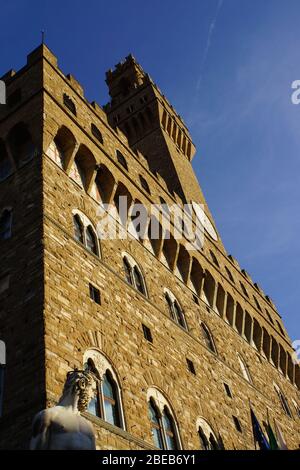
x=85 y=425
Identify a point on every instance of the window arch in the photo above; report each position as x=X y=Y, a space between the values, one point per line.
x=244 y=290
x=208 y=290
x=96 y=133
x=91 y=240
x=78 y=229
x=83 y=167
x=175 y=309
x=214 y=258
x=62 y=147
x=121 y=159
x=106 y=403
x=207 y=437
x=56 y=153
x=85 y=233
x=6 y=168
x=6 y=218
x=21 y=144
x=144 y=184
x=163 y=425
x=122 y=200
x=196 y=276
x=104 y=184
x=244 y=369
x=69 y=103
x=257 y=303
x=133 y=274
x=208 y=338
x=229 y=275
x=156 y=430
x=283 y=401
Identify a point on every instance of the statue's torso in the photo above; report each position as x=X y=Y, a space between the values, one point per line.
x=65 y=430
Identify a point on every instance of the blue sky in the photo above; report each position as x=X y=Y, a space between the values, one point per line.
x=227 y=67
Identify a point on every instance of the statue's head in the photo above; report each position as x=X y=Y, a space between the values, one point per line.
x=81 y=383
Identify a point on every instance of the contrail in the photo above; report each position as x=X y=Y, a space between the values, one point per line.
x=209 y=38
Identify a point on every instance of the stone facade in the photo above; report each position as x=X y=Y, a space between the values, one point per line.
x=48 y=319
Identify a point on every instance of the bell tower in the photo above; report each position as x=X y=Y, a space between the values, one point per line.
x=153 y=127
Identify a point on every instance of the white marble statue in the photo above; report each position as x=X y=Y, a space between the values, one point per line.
x=62 y=427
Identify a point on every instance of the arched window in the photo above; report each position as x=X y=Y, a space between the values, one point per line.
x=83 y=167
x=6 y=224
x=105 y=183
x=21 y=144
x=214 y=258
x=110 y=399
x=91 y=240
x=269 y=317
x=144 y=184
x=78 y=229
x=155 y=425
x=283 y=401
x=257 y=303
x=175 y=309
x=69 y=103
x=229 y=274
x=133 y=274
x=62 y=147
x=56 y=153
x=121 y=160
x=244 y=369
x=5 y=163
x=169 y=429
x=208 y=339
x=85 y=233
x=122 y=201
x=127 y=270
x=96 y=133
x=207 y=437
x=106 y=403
x=138 y=279
x=244 y=289
x=163 y=427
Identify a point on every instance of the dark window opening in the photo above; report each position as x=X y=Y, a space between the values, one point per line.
x=96 y=133
x=121 y=159
x=227 y=390
x=147 y=333
x=208 y=338
x=95 y=294
x=6 y=224
x=14 y=98
x=68 y=102
x=190 y=366
x=144 y=184
x=78 y=229
x=237 y=424
x=91 y=241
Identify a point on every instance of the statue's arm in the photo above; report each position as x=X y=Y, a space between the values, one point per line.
x=40 y=431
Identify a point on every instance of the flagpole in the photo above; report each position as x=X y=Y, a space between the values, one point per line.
x=252 y=424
